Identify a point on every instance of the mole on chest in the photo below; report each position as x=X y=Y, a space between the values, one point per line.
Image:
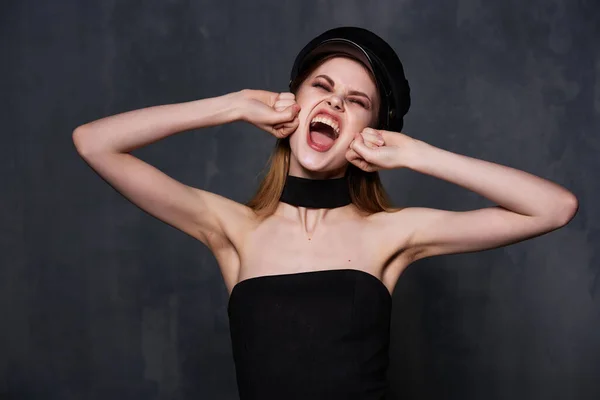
x=298 y=252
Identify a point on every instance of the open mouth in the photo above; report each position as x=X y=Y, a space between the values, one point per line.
x=324 y=130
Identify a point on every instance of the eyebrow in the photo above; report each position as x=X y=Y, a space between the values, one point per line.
x=351 y=92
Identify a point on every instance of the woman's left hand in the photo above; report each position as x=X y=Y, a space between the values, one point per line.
x=373 y=149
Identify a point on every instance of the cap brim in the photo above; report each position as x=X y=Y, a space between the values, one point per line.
x=338 y=46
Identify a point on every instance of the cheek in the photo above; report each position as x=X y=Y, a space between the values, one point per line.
x=302 y=95
x=360 y=121
x=375 y=113
x=306 y=103
x=371 y=115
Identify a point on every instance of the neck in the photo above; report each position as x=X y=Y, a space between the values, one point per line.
x=311 y=201
x=298 y=170
x=316 y=193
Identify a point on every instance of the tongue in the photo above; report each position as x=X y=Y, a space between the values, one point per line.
x=321 y=139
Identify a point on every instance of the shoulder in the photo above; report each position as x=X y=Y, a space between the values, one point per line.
x=405 y=217
x=231 y=223
x=395 y=230
x=230 y=219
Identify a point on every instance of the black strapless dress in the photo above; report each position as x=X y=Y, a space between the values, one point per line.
x=311 y=336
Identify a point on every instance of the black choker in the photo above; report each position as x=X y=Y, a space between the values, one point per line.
x=316 y=193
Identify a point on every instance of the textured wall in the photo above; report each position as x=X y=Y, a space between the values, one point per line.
x=100 y=300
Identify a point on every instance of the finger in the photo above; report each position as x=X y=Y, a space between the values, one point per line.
x=281 y=104
x=372 y=137
x=287 y=114
x=287 y=128
x=359 y=146
x=362 y=164
x=375 y=133
x=372 y=131
x=356 y=160
x=353 y=157
x=372 y=142
x=292 y=111
x=264 y=96
x=286 y=96
x=281 y=131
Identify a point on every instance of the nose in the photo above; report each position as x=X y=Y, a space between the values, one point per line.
x=335 y=102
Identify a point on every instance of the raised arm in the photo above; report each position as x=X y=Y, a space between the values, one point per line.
x=105 y=145
x=527 y=205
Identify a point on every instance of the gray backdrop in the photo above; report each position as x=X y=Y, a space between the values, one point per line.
x=100 y=300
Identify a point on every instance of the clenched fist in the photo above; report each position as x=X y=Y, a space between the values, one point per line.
x=377 y=149
x=276 y=113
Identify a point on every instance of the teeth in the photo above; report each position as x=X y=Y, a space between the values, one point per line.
x=328 y=121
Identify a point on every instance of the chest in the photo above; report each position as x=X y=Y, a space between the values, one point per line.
x=280 y=248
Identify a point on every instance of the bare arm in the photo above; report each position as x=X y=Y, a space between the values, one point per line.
x=527 y=205
x=128 y=131
x=105 y=145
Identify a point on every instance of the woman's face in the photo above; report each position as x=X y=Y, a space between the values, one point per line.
x=338 y=99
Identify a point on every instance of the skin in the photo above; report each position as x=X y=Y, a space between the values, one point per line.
x=527 y=205
x=356 y=112
x=320 y=239
x=346 y=89
x=297 y=239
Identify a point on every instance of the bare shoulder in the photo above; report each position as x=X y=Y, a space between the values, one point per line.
x=393 y=232
x=422 y=232
x=400 y=220
x=225 y=230
x=229 y=220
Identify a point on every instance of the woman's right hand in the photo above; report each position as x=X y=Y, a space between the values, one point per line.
x=276 y=113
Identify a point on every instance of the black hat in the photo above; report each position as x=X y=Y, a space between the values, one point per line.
x=376 y=55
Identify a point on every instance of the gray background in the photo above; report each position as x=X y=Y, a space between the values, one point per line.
x=100 y=300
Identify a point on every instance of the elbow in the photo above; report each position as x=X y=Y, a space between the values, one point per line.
x=85 y=141
x=567 y=210
x=78 y=139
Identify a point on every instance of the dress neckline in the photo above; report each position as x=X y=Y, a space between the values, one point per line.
x=293 y=274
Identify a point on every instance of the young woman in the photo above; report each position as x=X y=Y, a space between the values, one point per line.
x=311 y=261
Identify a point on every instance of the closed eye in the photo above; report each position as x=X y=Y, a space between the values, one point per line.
x=361 y=103
x=326 y=88
x=322 y=86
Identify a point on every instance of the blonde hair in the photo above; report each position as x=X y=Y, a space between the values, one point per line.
x=366 y=190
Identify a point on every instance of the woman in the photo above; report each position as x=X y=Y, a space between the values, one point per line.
x=311 y=261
